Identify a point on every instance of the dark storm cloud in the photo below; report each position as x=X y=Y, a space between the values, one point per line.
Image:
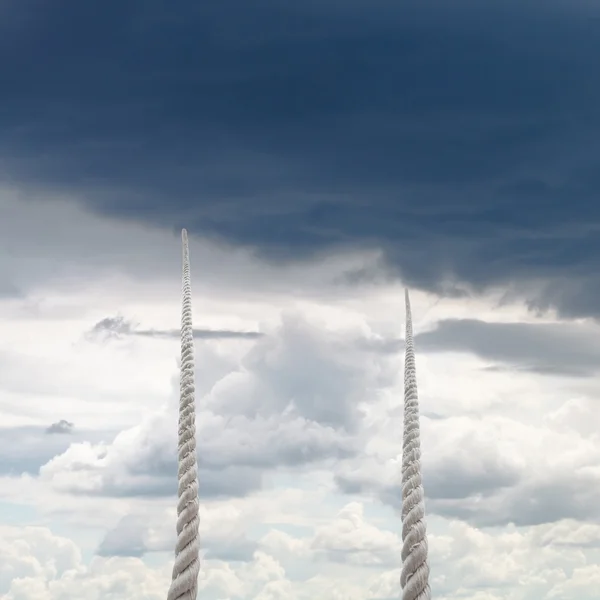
x=118 y=327
x=541 y=348
x=462 y=138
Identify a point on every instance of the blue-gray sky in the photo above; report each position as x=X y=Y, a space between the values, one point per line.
x=461 y=137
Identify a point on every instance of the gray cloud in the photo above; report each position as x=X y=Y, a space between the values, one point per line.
x=125 y=539
x=537 y=499
x=9 y=289
x=324 y=376
x=554 y=349
x=133 y=536
x=25 y=449
x=451 y=476
x=294 y=400
x=114 y=328
x=205 y=334
x=63 y=426
x=150 y=480
x=471 y=473
x=110 y=328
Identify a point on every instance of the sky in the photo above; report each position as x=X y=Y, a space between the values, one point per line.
x=323 y=156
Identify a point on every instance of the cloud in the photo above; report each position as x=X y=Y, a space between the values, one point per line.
x=261 y=414
x=33 y=552
x=41 y=565
x=111 y=328
x=25 y=449
x=545 y=348
x=350 y=539
x=233 y=454
x=62 y=426
x=489 y=471
x=222 y=530
x=422 y=131
x=37 y=563
x=206 y=334
x=126 y=539
x=345 y=375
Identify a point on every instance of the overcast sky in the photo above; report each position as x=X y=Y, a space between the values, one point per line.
x=323 y=156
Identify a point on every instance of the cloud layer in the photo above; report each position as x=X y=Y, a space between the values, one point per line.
x=446 y=135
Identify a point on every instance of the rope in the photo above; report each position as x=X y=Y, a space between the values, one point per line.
x=184 y=585
x=414 y=579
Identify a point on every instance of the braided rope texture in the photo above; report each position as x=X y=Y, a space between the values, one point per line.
x=184 y=585
x=414 y=579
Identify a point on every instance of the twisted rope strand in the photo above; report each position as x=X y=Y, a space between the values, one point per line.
x=414 y=578
x=184 y=585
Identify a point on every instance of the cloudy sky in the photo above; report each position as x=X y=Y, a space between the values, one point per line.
x=323 y=155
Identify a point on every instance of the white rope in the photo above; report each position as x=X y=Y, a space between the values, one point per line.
x=414 y=579
x=184 y=585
